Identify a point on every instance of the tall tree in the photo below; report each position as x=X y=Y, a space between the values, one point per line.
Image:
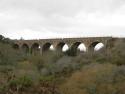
x=1 y=37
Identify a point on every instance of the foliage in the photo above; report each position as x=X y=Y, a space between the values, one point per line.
x=5 y=40
x=9 y=56
x=37 y=61
x=41 y=61
x=46 y=78
x=96 y=79
x=22 y=82
x=66 y=73
x=117 y=54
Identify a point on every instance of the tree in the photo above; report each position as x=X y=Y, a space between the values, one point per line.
x=1 y=37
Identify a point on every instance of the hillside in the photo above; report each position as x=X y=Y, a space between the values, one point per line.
x=58 y=73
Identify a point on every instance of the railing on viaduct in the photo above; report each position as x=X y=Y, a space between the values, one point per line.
x=43 y=45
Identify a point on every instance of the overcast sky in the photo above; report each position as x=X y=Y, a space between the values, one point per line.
x=34 y=19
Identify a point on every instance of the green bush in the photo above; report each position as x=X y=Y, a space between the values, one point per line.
x=117 y=54
x=9 y=56
x=42 y=61
x=38 y=61
x=47 y=78
x=20 y=83
x=96 y=79
x=3 y=89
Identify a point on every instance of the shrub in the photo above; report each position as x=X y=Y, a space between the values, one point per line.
x=64 y=66
x=38 y=61
x=6 y=69
x=48 y=85
x=9 y=56
x=47 y=78
x=52 y=57
x=20 y=83
x=96 y=79
x=3 y=89
x=117 y=54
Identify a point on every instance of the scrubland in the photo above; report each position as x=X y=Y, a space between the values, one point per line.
x=58 y=73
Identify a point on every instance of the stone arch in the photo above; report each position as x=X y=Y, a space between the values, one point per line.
x=75 y=48
x=93 y=45
x=16 y=46
x=35 y=48
x=60 y=46
x=25 y=48
x=78 y=46
x=46 y=47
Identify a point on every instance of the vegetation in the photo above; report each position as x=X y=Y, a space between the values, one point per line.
x=96 y=79
x=62 y=73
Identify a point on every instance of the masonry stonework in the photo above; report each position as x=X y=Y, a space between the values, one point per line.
x=44 y=44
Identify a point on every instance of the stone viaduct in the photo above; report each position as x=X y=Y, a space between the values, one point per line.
x=43 y=45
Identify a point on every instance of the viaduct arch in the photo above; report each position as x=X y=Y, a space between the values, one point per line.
x=43 y=45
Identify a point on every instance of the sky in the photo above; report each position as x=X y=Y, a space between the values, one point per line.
x=39 y=19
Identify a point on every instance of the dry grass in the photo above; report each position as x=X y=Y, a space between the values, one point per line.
x=95 y=79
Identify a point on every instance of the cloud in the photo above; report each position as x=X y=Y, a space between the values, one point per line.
x=63 y=18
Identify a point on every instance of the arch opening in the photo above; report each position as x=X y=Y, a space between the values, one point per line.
x=52 y=48
x=16 y=46
x=47 y=47
x=62 y=47
x=25 y=48
x=99 y=46
x=78 y=47
x=96 y=46
x=35 y=49
x=82 y=47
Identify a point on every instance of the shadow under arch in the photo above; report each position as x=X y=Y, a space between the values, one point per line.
x=25 y=48
x=35 y=48
x=62 y=47
x=96 y=46
x=16 y=46
x=77 y=47
x=47 y=47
